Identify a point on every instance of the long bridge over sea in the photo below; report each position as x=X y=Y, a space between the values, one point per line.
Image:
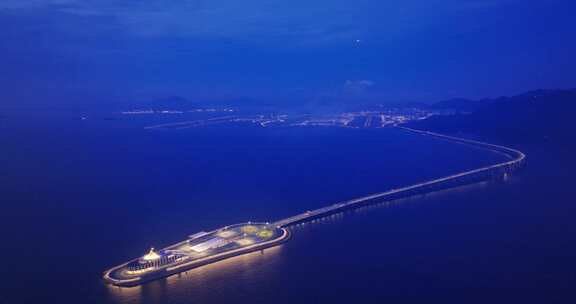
x=515 y=159
x=208 y=247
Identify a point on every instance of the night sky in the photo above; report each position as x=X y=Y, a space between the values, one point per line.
x=69 y=53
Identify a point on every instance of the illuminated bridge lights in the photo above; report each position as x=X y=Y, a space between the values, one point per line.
x=151 y=256
x=249 y=229
x=194 y=252
x=207 y=247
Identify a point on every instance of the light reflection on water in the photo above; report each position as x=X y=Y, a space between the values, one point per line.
x=255 y=266
x=408 y=201
x=307 y=259
x=125 y=294
x=207 y=278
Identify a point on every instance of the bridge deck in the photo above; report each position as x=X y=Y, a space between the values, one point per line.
x=516 y=158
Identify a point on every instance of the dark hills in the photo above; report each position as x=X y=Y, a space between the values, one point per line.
x=542 y=115
x=460 y=104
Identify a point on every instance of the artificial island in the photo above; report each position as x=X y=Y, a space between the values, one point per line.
x=198 y=249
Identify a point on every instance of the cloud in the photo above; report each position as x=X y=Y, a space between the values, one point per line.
x=29 y=4
x=320 y=22
x=357 y=86
x=482 y=4
x=272 y=22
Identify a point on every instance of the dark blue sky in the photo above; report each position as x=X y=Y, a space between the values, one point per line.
x=85 y=52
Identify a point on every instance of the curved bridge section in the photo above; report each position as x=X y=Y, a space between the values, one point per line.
x=515 y=160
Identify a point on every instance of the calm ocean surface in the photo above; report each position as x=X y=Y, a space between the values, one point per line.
x=79 y=196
